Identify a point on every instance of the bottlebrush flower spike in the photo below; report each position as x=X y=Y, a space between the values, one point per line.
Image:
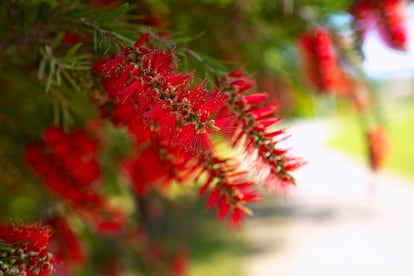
x=388 y=17
x=23 y=250
x=393 y=23
x=378 y=147
x=321 y=63
x=229 y=189
x=68 y=165
x=142 y=84
x=254 y=121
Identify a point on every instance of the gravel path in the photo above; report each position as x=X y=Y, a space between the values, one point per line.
x=339 y=221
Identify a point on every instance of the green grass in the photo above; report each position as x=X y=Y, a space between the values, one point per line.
x=348 y=137
x=221 y=263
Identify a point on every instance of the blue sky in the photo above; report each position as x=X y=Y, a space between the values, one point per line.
x=381 y=62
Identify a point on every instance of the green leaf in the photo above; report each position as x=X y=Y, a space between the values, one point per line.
x=57 y=40
x=50 y=77
x=80 y=57
x=42 y=69
x=123 y=38
x=105 y=52
x=72 y=51
x=109 y=16
x=71 y=80
x=48 y=50
x=186 y=39
x=76 y=67
x=214 y=63
x=95 y=41
x=79 y=11
x=67 y=118
x=58 y=77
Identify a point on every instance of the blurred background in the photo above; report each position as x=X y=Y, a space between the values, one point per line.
x=342 y=218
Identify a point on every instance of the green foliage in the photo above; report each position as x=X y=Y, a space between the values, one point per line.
x=401 y=129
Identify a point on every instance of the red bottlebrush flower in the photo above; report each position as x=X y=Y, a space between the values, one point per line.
x=65 y=245
x=229 y=192
x=378 y=147
x=253 y=121
x=24 y=250
x=68 y=164
x=142 y=84
x=393 y=23
x=321 y=63
x=388 y=17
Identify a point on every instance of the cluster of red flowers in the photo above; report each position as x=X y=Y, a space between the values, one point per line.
x=321 y=63
x=388 y=17
x=23 y=250
x=155 y=166
x=172 y=117
x=67 y=162
x=144 y=89
x=378 y=146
